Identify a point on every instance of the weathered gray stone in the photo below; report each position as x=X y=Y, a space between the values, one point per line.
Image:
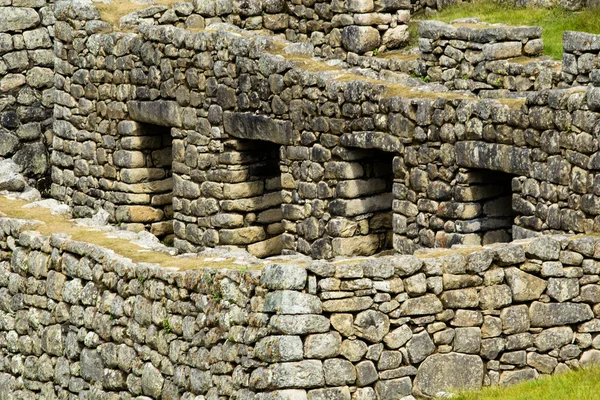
x=515 y=319
x=291 y=302
x=340 y=393
x=371 y=325
x=323 y=345
x=556 y=314
x=419 y=347
x=91 y=365
x=161 y=112
x=299 y=324
x=443 y=372
x=279 y=349
x=398 y=337
x=424 y=305
x=303 y=374
x=393 y=389
x=524 y=286
x=366 y=373
x=339 y=372
x=18 y=18
x=258 y=127
x=553 y=338
x=283 y=276
x=360 y=39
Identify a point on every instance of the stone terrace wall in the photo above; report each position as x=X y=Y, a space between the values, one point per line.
x=474 y=56
x=336 y=195
x=26 y=81
x=581 y=56
x=78 y=320
x=333 y=27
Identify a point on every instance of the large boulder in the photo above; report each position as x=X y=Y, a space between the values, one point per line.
x=442 y=372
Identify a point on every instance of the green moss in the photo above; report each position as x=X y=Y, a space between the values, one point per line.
x=581 y=384
x=554 y=21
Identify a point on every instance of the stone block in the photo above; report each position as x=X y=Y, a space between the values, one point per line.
x=302 y=374
x=18 y=19
x=555 y=314
x=291 y=302
x=279 y=349
x=299 y=324
x=452 y=371
x=158 y=112
x=360 y=39
x=258 y=127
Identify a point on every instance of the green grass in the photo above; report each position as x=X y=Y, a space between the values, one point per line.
x=554 y=21
x=583 y=384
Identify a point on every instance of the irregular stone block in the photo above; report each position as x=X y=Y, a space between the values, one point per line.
x=158 y=112
x=371 y=325
x=553 y=338
x=555 y=314
x=299 y=324
x=279 y=348
x=419 y=347
x=360 y=39
x=452 y=371
x=18 y=18
x=258 y=127
x=291 y=302
x=303 y=374
x=424 y=305
x=339 y=372
x=524 y=286
x=393 y=389
x=501 y=51
x=322 y=346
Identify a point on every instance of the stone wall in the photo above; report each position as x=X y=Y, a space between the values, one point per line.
x=363 y=165
x=78 y=320
x=581 y=56
x=26 y=82
x=334 y=28
x=479 y=57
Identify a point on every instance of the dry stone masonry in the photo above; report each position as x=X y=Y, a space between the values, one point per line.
x=286 y=127
x=26 y=82
x=76 y=320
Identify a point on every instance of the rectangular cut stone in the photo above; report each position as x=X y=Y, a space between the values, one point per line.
x=372 y=140
x=580 y=41
x=303 y=374
x=159 y=112
x=497 y=157
x=292 y=302
x=557 y=314
x=500 y=51
x=350 y=208
x=356 y=245
x=258 y=127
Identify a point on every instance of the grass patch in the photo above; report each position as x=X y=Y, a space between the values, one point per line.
x=582 y=384
x=59 y=224
x=112 y=13
x=554 y=21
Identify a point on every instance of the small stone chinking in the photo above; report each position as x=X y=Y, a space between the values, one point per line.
x=79 y=320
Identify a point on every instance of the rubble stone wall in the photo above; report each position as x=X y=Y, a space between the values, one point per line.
x=330 y=193
x=333 y=27
x=78 y=320
x=581 y=57
x=26 y=82
x=483 y=57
